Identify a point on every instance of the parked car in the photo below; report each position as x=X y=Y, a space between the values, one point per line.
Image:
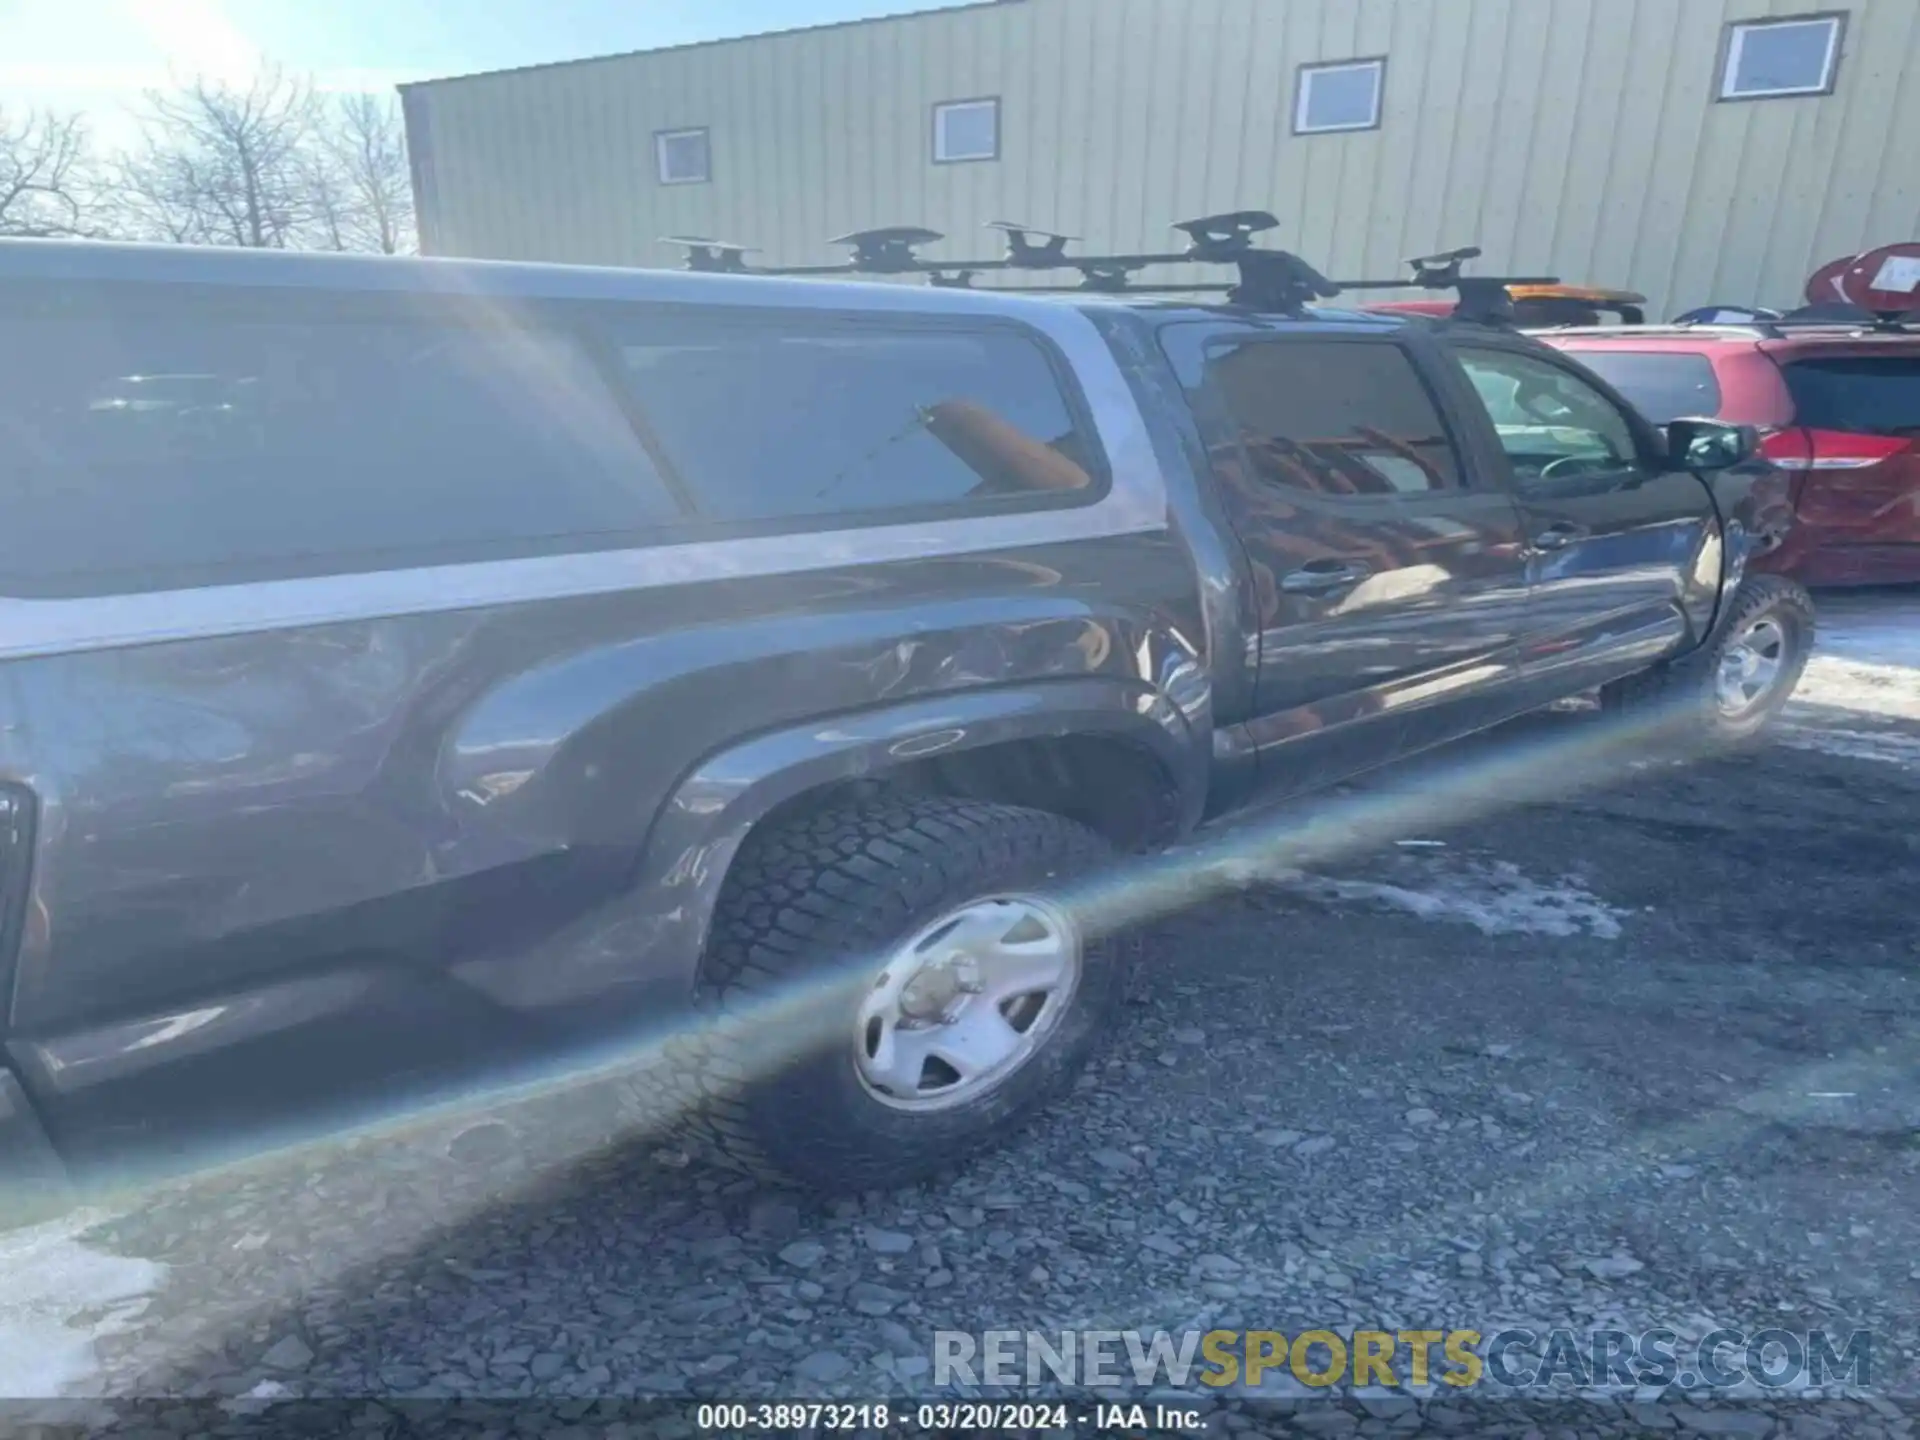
x=1838 y=407
x=1542 y=306
x=532 y=655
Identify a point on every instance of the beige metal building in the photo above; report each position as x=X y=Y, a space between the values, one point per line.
x=1701 y=151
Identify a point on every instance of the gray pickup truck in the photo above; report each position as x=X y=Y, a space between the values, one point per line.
x=413 y=670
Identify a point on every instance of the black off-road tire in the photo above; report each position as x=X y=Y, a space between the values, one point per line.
x=1679 y=696
x=809 y=912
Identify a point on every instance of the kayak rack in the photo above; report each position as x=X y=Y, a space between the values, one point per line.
x=1268 y=280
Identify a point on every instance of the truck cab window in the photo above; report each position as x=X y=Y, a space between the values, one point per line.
x=1551 y=424
x=1337 y=419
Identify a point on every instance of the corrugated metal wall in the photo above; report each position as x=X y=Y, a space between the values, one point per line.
x=1579 y=137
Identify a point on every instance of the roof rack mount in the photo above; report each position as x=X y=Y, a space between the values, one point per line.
x=1484 y=299
x=1778 y=327
x=1270 y=280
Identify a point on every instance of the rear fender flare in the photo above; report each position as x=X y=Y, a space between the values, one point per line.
x=701 y=827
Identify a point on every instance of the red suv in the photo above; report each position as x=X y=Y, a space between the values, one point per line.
x=1839 y=407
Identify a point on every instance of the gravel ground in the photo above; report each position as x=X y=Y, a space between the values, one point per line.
x=1636 y=1057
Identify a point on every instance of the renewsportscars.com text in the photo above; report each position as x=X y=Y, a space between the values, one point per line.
x=1513 y=1358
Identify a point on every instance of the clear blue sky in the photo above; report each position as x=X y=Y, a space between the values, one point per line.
x=98 y=55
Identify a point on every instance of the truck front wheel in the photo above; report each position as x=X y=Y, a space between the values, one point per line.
x=1731 y=687
x=896 y=986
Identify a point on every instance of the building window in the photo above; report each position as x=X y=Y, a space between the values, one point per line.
x=1781 y=57
x=966 y=130
x=683 y=157
x=1341 y=96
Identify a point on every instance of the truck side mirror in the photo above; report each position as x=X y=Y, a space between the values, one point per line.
x=1709 y=444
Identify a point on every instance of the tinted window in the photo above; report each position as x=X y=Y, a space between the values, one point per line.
x=1341 y=418
x=765 y=423
x=143 y=451
x=1661 y=387
x=1866 y=394
x=1550 y=422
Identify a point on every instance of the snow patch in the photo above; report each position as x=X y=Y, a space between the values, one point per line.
x=1861 y=691
x=1495 y=898
x=1886 y=746
x=57 y=1297
x=1866 y=687
x=1877 y=629
x=1866 y=655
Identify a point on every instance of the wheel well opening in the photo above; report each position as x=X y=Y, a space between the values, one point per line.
x=1111 y=786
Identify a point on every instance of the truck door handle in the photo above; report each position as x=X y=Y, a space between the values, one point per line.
x=1559 y=536
x=1324 y=575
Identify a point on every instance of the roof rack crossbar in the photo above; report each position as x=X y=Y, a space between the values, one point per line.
x=1085 y=286
x=1906 y=322
x=1272 y=280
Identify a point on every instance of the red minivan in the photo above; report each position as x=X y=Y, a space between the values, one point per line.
x=1839 y=407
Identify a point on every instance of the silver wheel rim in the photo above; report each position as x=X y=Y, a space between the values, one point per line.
x=1751 y=666
x=966 y=1002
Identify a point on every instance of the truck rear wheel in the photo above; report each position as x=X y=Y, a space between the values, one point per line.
x=896 y=986
x=1731 y=687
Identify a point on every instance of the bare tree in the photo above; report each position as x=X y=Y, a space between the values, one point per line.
x=276 y=165
x=45 y=174
x=367 y=191
x=335 y=224
x=224 y=166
